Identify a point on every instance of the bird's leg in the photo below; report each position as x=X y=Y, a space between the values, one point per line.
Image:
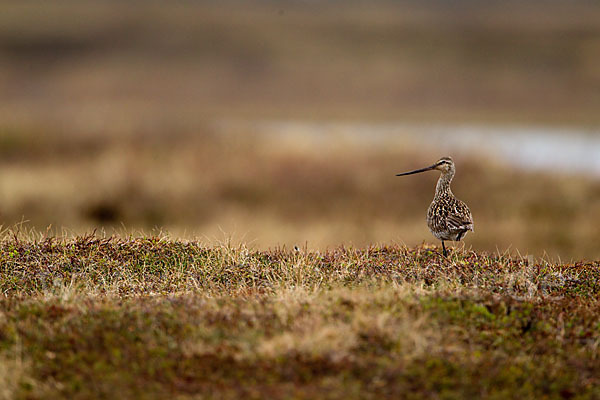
x=444 y=248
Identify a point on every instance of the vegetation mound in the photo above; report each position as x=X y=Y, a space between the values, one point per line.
x=147 y=318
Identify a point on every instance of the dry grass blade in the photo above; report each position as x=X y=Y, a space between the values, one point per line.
x=105 y=316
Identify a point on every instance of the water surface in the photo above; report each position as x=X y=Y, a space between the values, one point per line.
x=567 y=150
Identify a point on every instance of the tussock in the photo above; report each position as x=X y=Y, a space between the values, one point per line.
x=152 y=317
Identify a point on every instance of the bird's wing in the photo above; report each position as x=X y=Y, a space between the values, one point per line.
x=458 y=223
x=460 y=218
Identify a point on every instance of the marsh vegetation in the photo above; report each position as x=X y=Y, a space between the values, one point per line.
x=114 y=115
x=104 y=317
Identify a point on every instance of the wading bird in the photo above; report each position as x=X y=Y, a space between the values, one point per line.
x=448 y=218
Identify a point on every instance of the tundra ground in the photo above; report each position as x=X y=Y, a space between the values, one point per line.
x=147 y=318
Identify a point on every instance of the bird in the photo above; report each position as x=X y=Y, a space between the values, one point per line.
x=448 y=218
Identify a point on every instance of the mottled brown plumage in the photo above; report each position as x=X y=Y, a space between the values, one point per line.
x=448 y=218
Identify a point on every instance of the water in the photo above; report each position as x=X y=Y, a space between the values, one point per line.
x=567 y=150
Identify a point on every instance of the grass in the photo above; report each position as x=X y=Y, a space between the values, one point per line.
x=263 y=189
x=105 y=317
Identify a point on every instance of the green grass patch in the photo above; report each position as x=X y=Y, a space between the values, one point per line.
x=150 y=318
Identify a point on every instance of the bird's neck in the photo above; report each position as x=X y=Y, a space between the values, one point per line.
x=442 y=188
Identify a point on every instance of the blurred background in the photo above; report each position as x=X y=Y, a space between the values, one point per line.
x=282 y=123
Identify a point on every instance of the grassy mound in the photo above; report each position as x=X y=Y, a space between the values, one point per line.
x=150 y=318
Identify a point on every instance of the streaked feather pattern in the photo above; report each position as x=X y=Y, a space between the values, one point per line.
x=449 y=218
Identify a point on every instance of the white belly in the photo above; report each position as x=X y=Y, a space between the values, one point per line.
x=452 y=236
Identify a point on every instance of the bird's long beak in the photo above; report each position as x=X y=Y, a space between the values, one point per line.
x=416 y=171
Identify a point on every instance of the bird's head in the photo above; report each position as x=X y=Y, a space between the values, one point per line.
x=444 y=164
